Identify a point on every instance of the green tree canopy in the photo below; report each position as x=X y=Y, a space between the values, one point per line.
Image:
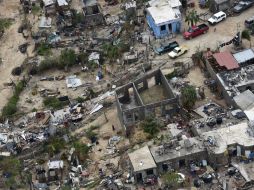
x=188 y=97
x=67 y=58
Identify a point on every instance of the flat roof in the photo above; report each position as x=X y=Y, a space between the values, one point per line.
x=243 y=56
x=226 y=59
x=62 y=2
x=172 y=153
x=245 y=100
x=172 y=3
x=236 y=134
x=163 y=14
x=142 y=159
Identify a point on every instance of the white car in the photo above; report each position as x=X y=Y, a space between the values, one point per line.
x=178 y=51
x=216 y=18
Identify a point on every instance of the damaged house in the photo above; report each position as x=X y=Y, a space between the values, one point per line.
x=93 y=13
x=164 y=17
x=233 y=74
x=148 y=96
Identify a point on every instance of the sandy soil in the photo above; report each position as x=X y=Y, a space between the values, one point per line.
x=9 y=48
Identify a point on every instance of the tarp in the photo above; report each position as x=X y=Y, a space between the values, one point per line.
x=73 y=82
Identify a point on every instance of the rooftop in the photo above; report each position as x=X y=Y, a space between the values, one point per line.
x=142 y=159
x=218 y=140
x=225 y=59
x=172 y=3
x=245 y=100
x=163 y=14
x=185 y=147
x=244 y=56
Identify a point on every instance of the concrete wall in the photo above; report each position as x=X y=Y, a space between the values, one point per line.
x=174 y=163
x=144 y=173
x=220 y=86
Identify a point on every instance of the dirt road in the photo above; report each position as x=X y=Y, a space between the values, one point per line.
x=225 y=31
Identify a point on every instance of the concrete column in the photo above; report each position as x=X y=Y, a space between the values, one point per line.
x=145 y=84
x=157 y=79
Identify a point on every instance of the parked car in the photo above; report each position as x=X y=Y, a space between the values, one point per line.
x=249 y=22
x=217 y=17
x=195 y=31
x=178 y=51
x=241 y=6
x=165 y=47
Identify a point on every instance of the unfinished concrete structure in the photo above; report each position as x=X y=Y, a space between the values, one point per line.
x=145 y=98
x=93 y=13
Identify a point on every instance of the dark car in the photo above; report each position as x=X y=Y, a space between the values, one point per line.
x=165 y=47
x=207 y=178
x=241 y=6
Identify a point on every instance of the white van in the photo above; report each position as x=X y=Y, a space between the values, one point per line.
x=217 y=17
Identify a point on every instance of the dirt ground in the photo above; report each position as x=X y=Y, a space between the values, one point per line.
x=9 y=48
x=225 y=31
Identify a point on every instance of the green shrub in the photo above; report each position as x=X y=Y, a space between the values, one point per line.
x=80 y=99
x=11 y=107
x=188 y=97
x=4 y=24
x=171 y=75
x=53 y=102
x=47 y=64
x=54 y=145
x=44 y=49
x=151 y=126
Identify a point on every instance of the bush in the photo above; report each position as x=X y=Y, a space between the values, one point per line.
x=47 y=64
x=53 y=102
x=4 y=24
x=67 y=58
x=54 y=145
x=44 y=49
x=80 y=99
x=81 y=150
x=11 y=107
x=171 y=75
x=150 y=126
x=188 y=97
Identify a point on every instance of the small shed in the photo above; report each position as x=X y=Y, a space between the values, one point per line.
x=142 y=163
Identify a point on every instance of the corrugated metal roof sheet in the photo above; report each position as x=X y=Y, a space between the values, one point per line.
x=243 y=56
x=225 y=59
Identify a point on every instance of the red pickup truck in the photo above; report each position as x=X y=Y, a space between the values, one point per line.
x=196 y=31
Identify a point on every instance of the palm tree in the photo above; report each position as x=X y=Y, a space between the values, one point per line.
x=192 y=18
